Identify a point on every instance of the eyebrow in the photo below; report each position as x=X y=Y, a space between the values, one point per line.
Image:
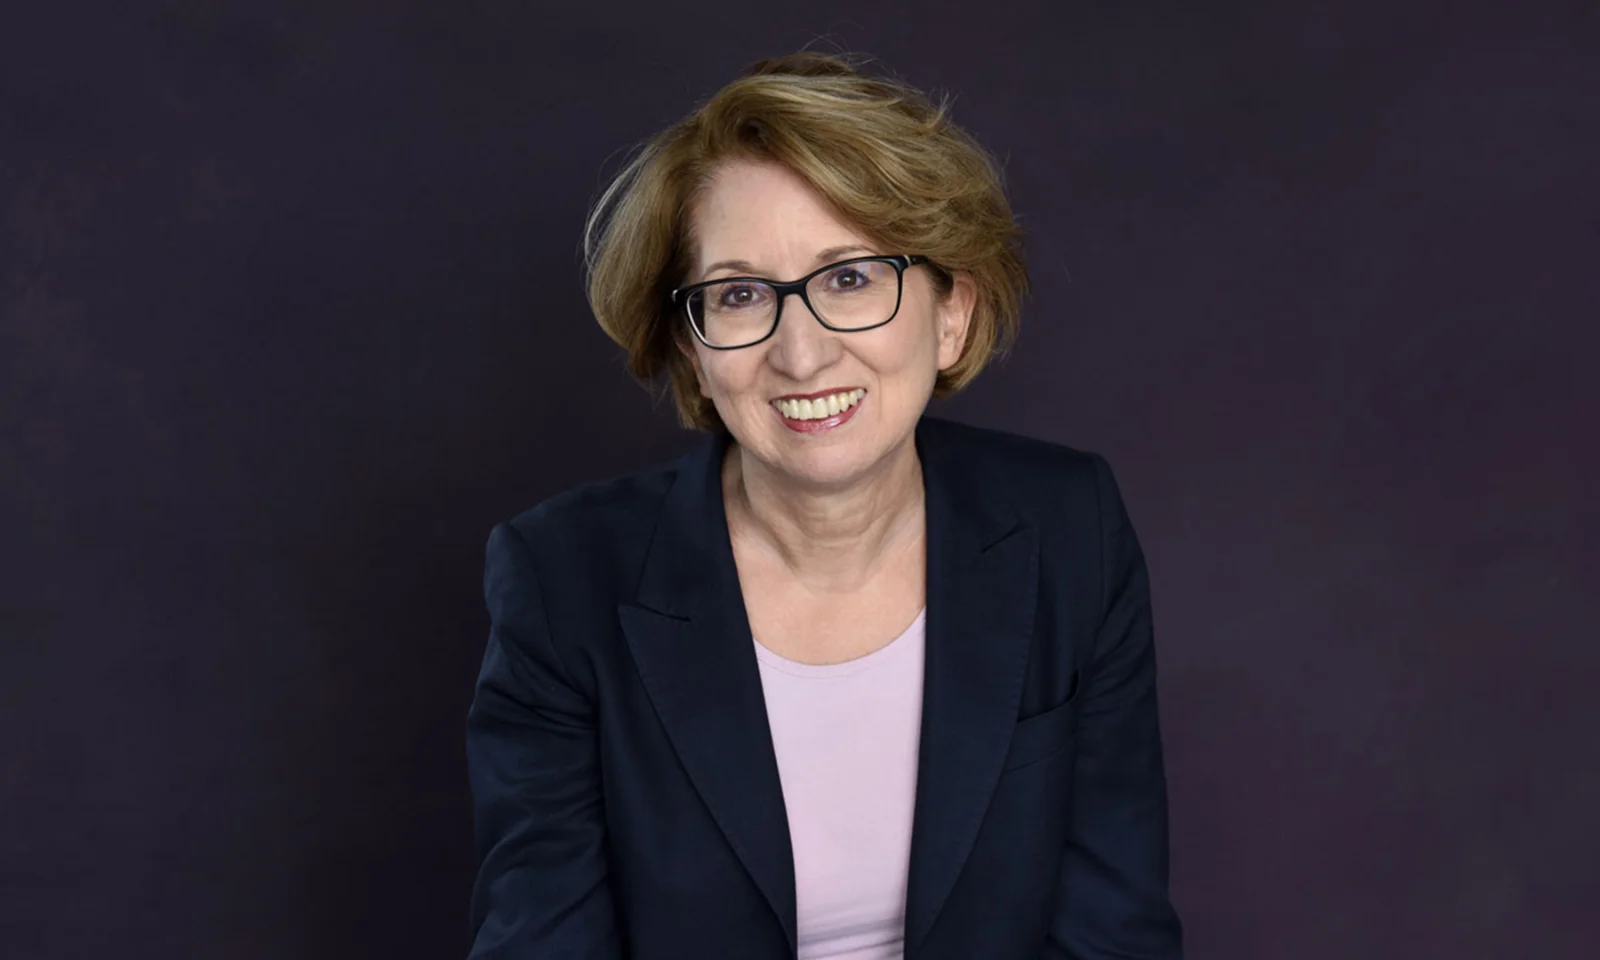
x=826 y=256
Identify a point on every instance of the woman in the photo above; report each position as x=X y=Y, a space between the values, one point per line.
x=846 y=681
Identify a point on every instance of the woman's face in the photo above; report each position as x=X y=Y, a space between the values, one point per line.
x=781 y=229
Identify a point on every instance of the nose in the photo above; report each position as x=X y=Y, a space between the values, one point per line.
x=801 y=345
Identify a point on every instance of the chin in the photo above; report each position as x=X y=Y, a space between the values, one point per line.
x=833 y=465
x=813 y=460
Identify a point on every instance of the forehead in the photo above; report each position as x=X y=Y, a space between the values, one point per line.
x=767 y=216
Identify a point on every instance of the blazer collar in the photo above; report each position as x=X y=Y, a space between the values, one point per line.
x=690 y=638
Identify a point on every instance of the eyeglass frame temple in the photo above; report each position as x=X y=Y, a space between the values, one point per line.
x=902 y=262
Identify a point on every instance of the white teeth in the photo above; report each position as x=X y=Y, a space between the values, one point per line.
x=821 y=407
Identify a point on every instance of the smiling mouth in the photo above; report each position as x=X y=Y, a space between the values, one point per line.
x=819 y=408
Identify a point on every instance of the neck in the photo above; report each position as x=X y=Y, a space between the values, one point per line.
x=831 y=538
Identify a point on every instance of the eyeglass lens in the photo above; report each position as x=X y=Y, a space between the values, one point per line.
x=850 y=296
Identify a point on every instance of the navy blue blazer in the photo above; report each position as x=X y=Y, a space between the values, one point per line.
x=624 y=783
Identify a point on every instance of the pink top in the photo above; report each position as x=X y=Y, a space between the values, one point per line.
x=846 y=737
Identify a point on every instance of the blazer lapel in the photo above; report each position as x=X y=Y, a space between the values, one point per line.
x=982 y=588
x=690 y=637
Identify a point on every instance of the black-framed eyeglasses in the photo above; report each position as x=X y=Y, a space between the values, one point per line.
x=848 y=296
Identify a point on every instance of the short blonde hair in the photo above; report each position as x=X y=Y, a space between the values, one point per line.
x=881 y=152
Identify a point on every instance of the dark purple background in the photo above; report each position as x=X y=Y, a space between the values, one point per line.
x=292 y=314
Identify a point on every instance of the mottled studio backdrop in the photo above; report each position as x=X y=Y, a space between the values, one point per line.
x=291 y=315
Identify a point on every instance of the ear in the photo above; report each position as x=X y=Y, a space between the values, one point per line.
x=954 y=316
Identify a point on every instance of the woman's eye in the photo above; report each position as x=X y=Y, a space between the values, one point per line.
x=848 y=278
x=738 y=295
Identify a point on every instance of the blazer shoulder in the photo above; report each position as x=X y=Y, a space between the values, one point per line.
x=598 y=514
x=1041 y=476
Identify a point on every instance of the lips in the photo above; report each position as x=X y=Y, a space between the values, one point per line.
x=818 y=412
x=818 y=406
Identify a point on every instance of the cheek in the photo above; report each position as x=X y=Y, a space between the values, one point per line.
x=916 y=343
x=727 y=375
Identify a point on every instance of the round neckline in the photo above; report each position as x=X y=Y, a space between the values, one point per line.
x=844 y=668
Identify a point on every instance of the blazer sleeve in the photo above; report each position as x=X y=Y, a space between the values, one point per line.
x=541 y=890
x=1112 y=899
